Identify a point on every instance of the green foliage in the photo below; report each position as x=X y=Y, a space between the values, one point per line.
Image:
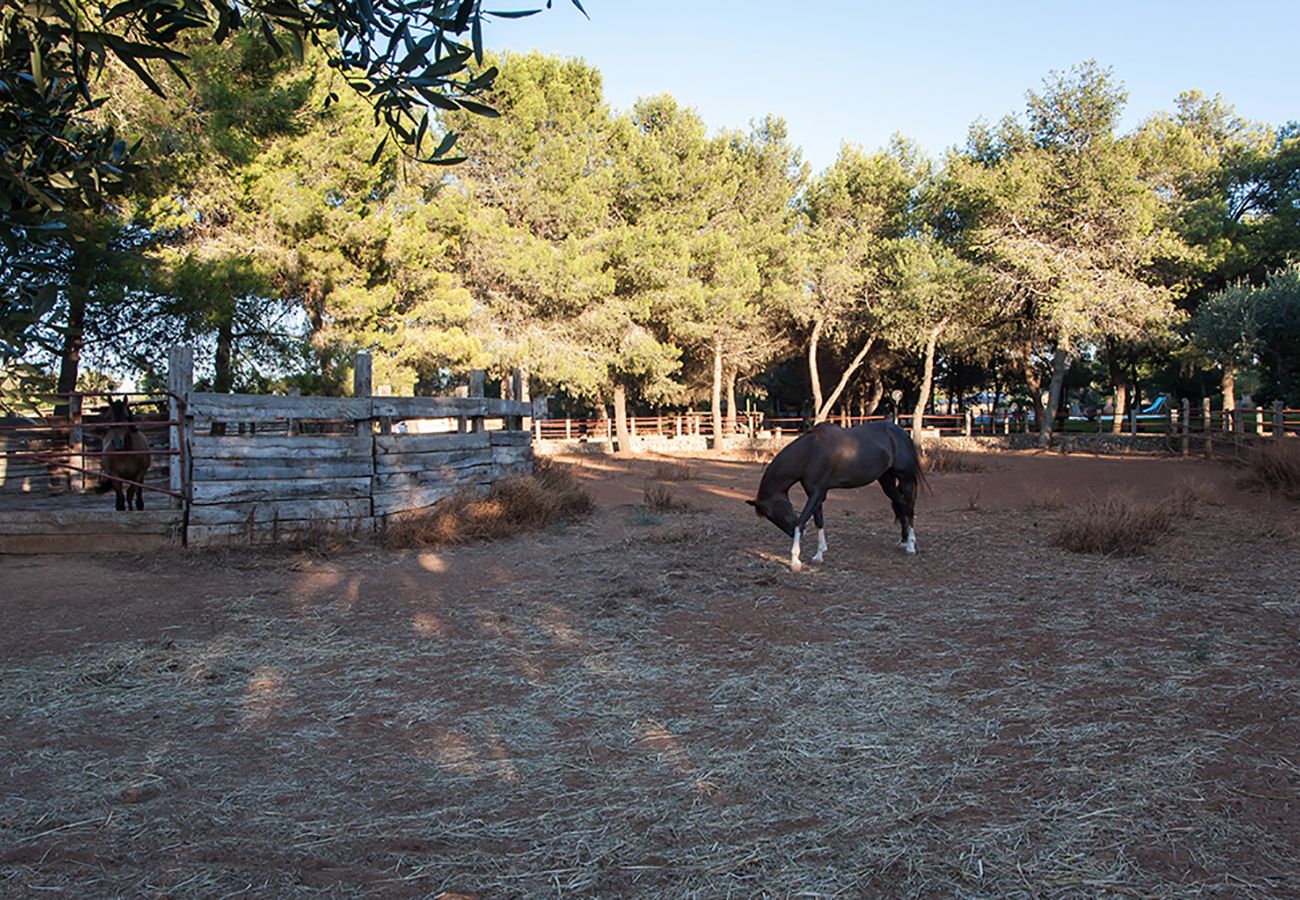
x=1060 y=219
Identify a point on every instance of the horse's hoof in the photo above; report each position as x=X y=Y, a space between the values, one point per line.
x=795 y=565
x=817 y=558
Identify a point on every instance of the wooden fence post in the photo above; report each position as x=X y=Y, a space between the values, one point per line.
x=969 y=424
x=180 y=382
x=1279 y=419
x=295 y=425
x=362 y=385
x=1207 y=426
x=1133 y=419
x=1259 y=421
x=518 y=393
x=568 y=428
x=385 y=422
x=477 y=385
x=1238 y=419
x=76 y=444
x=1187 y=426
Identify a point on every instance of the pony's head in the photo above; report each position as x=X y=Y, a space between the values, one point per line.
x=119 y=413
x=778 y=510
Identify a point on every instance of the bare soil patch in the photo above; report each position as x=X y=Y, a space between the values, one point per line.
x=638 y=705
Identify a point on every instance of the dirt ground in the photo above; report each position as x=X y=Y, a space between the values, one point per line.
x=652 y=704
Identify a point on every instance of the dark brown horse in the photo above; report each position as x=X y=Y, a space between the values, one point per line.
x=125 y=457
x=830 y=457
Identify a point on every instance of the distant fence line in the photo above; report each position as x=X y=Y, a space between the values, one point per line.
x=1173 y=420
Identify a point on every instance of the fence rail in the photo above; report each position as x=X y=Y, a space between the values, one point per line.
x=59 y=450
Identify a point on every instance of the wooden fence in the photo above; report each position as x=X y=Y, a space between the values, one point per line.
x=1172 y=420
x=269 y=468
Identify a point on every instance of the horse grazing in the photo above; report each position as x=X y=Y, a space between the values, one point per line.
x=125 y=457
x=832 y=457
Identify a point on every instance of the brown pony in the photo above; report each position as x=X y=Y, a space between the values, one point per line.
x=830 y=457
x=125 y=457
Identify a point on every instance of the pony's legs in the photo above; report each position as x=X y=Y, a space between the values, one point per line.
x=121 y=499
x=139 y=497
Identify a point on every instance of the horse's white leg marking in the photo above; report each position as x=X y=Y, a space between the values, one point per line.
x=795 y=565
x=821 y=544
x=911 y=540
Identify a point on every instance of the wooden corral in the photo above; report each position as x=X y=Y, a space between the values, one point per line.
x=252 y=468
x=269 y=469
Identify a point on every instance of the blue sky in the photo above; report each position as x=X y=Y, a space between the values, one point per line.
x=858 y=72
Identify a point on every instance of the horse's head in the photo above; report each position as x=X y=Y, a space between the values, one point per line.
x=778 y=510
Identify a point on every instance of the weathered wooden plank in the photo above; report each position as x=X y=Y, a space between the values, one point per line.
x=475 y=474
x=511 y=438
x=283 y=510
x=219 y=492
x=446 y=407
x=221 y=535
x=132 y=542
x=420 y=497
x=428 y=443
x=330 y=446
x=420 y=462
x=258 y=407
x=262 y=469
x=512 y=455
x=167 y=521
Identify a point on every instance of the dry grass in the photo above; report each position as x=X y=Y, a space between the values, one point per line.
x=1046 y=498
x=549 y=496
x=659 y=498
x=668 y=712
x=673 y=471
x=941 y=460
x=1118 y=525
x=598 y=730
x=1274 y=466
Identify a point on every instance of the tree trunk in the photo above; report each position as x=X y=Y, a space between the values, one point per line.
x=1229 y=386
x=731 y=401
x=716 y=404
x=825 y=409
x=813 y=376
x=224 y=378
x=927 y=380
x=74 y=337
x=1033 y=385
x=1118 y=385
x=73 y=343
x=620 y=419
x=1060 y=363
x=873 y=399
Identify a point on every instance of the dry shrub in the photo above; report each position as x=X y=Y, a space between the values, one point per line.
x=1049 y=498
x=659 y=498
x=940 y=460
x=320 y=537
x=513 y=505
x=673 y=471
x=1117 y=525
x=1200 y=491
x=1274 y=466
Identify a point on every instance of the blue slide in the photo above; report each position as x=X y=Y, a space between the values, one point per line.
x=1155 y=407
